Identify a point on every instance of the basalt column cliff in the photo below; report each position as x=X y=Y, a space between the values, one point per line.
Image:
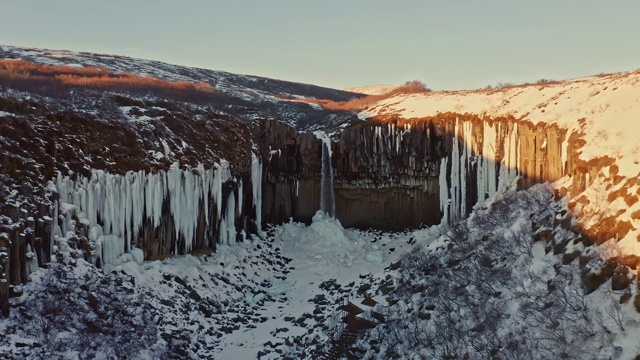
x=402 y=174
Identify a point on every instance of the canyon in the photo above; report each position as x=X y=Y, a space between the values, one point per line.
x=385 y=176
x=108 y=176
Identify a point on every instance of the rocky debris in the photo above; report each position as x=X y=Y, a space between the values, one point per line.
x=430 y=295
x=620 y=279
x=188 y=313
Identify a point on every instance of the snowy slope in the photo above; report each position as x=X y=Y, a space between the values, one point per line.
x=602 y=110
x=278 y=297
x=506 y=283
x=373 y=89
x=258 y=96
x=609 y=103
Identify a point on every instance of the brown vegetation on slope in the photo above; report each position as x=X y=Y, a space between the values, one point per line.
x=542 y=82
x=32 y=75
x=410 y=87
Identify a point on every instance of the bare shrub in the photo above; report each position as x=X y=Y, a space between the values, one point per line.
x=614 y=311
x=485 y=292
x=409 y=87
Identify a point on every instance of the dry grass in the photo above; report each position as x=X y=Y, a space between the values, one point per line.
x=90 y=77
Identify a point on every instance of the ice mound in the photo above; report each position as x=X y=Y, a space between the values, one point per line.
x=324 y=238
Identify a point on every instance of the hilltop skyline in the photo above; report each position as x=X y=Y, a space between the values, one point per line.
x=340 y=45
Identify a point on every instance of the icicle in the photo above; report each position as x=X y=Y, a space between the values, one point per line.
x=231 y=219
x=54 y=226
x=514 y=152
x=207 y=179
x=128 y=210
x=120 y=202
x=223 y=234
x=223 y=174
x=138 y=203
x=467 y=153
x=487 y=185
x=564 y=153
x=455 y=176
x=217 y=189
x=110 y=248
x=509 y=163
x=239 y=207
x=277 y=152
x=256 y=187
x=323 y=181
x=444 y=191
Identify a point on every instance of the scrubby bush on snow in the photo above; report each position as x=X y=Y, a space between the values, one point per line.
x=79 y=311
x=485 y=289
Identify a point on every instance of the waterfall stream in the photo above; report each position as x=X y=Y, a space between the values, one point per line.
x=327 y=196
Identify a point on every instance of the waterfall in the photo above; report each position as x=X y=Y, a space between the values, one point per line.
x=327 y=196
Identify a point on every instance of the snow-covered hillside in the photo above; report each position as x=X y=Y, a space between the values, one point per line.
x=602 y=113
x=609 y=105
x=373 y=89
x=245 y=95
x=483 y=289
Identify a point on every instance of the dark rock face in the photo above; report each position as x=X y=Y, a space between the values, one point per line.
x=388 y=178
x=116 y=159
x=401 y=174
x=291 y=173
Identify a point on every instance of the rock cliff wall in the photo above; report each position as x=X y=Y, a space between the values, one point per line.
x=146 y=215
x=397 y=174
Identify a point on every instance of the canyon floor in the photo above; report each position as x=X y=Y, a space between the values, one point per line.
x=277 y=296
x=272 y=297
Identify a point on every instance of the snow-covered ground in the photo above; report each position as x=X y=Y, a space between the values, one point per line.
x=328 y=265
x=268 y=298
x=509 y=282
x=277 y=297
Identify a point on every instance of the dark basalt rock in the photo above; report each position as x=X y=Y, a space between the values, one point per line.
x=386 y=175
x=620 y=282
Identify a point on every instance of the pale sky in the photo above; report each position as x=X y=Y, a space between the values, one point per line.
x=447 y=44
